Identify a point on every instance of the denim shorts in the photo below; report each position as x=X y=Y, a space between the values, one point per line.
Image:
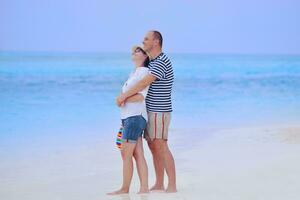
x=133 y=128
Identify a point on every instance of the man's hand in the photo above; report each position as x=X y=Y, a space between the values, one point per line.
x=120 y=101
x=146 y=81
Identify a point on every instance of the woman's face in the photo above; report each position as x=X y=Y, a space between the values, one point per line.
x=138 y=55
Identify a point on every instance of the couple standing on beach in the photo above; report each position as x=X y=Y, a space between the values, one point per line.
x=146 y=107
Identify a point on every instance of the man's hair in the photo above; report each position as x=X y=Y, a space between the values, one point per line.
x=157 y=35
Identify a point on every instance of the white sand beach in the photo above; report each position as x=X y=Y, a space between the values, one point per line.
x=244 y=163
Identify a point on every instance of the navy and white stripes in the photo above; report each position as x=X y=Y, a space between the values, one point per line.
x=159 y=93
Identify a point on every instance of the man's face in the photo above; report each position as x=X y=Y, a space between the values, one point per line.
x=148 y=41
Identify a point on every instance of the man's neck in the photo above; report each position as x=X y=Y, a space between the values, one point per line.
x=154 y=53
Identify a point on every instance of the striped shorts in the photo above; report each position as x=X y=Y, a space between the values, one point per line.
x=157 y=126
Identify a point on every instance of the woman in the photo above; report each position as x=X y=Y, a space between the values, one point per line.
x=134 y=120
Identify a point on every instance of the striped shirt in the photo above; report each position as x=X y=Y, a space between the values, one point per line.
x=159 y=95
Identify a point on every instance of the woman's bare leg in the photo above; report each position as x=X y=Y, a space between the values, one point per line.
x=141 y=165
x=127 y=153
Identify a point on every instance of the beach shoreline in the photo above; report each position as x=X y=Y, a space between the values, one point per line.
x=244 y=163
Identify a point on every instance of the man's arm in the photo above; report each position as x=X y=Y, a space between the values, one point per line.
x=135 y=98
x=146 y=81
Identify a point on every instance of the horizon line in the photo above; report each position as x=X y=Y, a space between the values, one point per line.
x=123 y=52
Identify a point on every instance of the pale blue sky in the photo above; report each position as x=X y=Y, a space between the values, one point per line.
x=211 y=26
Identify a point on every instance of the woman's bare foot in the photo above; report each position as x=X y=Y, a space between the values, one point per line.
x=171 y=189
x=143 y=191
x=120 y=191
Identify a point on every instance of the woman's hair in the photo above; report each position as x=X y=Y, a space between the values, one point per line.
x=147 y=60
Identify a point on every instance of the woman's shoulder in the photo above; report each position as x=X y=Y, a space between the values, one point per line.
x=143 y=69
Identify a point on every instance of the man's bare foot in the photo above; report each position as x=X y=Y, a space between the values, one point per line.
x=120 y=191
x=171 y=189
x=143 y=191
x=157 y=187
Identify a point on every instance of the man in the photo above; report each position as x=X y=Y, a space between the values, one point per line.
x=159 y=108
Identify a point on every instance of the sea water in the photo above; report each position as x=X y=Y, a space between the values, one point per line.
x=74 y=93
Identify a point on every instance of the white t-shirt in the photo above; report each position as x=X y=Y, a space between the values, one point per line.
x=135 y=108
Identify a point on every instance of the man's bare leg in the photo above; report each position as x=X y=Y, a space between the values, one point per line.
x=170 y=169
x=158 y=161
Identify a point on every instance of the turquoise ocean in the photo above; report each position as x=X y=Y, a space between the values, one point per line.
x=72 y=95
